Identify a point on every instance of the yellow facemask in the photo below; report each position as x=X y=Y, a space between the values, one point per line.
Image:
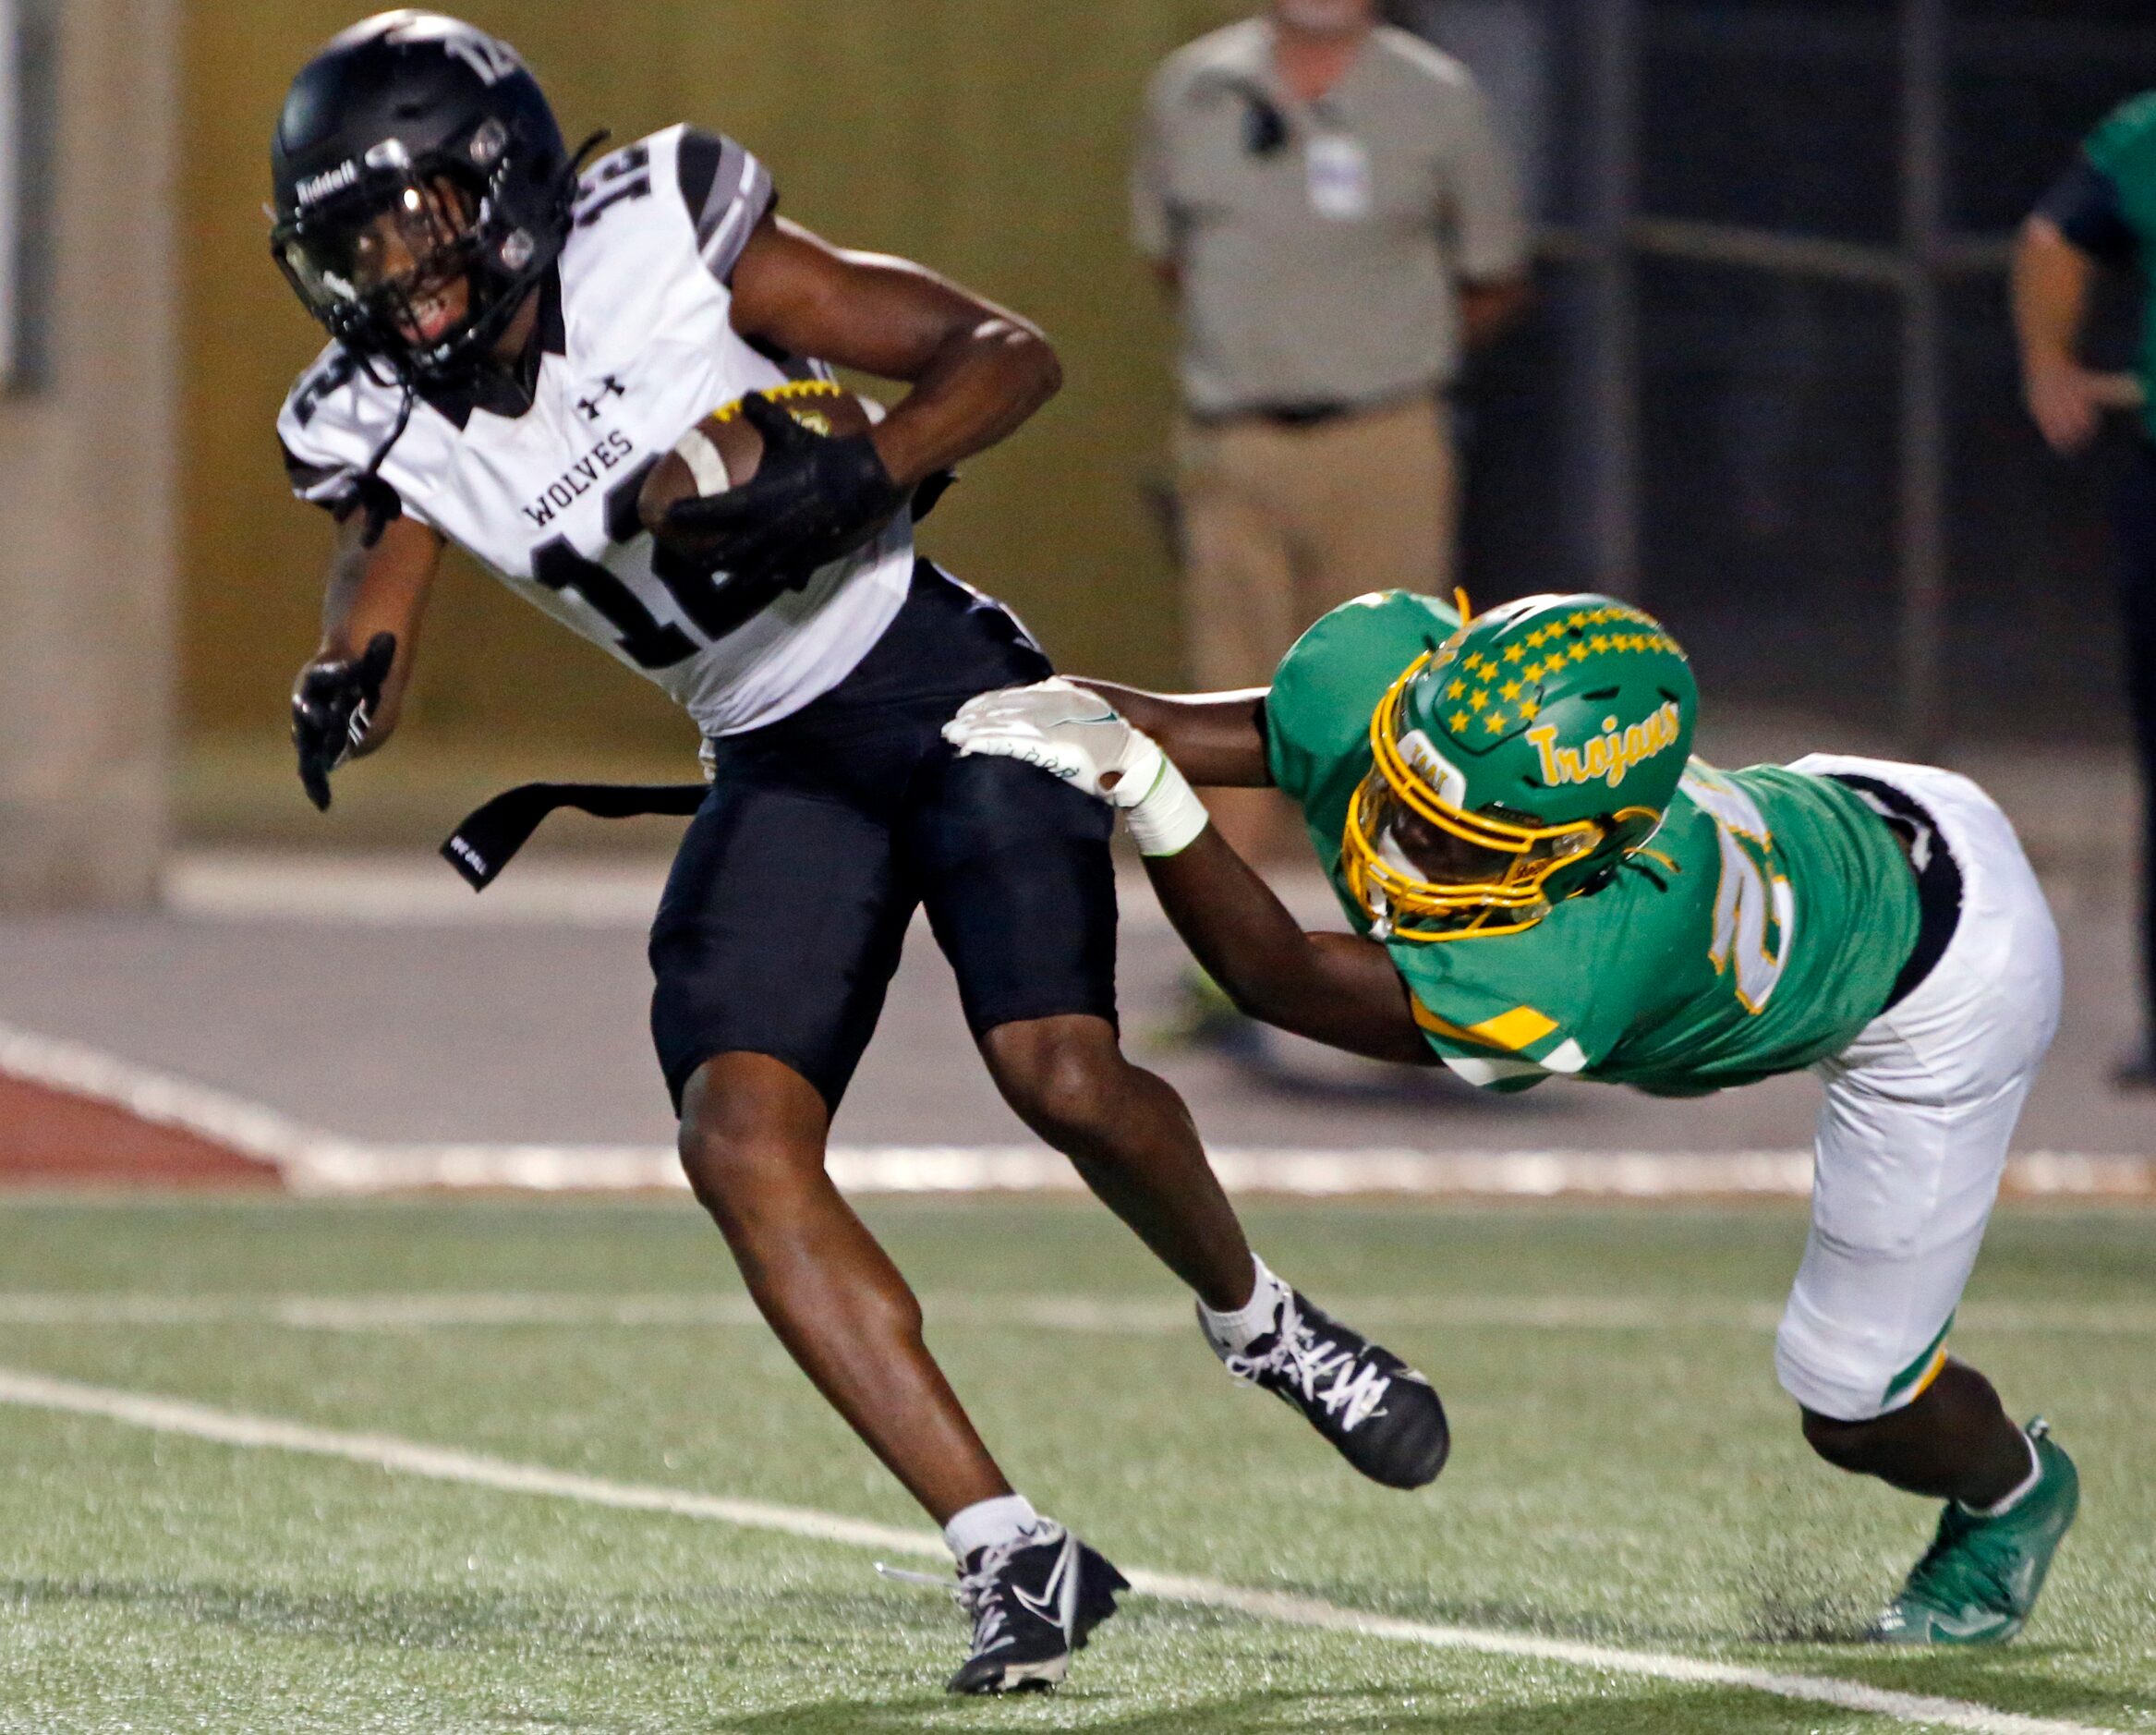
x=1500 y=866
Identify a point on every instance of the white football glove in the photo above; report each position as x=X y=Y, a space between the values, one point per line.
x=1080 y=738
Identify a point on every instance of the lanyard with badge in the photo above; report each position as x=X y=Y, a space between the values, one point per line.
x=1336 y=169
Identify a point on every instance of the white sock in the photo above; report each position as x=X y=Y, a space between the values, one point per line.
x=1232 y=1334
x=2022 y=1490
x=986 y=1522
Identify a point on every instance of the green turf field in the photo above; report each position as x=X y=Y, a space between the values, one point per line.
x=1625 y=1472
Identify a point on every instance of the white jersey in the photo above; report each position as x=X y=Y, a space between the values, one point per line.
x=637 y=348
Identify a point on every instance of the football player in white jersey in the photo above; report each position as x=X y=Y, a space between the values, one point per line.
x=513 y=346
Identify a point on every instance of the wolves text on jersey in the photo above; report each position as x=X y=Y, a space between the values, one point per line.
x=580 y=479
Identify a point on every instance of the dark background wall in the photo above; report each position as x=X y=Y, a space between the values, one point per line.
x=1770 y=399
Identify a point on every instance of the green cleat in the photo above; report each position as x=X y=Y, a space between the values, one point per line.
x=1980 y=1578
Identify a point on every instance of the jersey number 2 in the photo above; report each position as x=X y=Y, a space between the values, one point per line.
x=1755 y=913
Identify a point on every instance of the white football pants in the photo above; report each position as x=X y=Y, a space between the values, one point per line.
x=1919 y=1109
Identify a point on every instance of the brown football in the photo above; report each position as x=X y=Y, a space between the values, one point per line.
x=722 y=451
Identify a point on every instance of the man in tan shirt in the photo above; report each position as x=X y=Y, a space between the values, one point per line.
x=1327 y=200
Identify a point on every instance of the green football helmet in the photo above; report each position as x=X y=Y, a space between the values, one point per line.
x=1515 y=765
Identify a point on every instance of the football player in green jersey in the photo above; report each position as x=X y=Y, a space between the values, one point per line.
x=1543 y=880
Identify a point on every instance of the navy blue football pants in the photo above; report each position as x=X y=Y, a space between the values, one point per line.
x=823 y=832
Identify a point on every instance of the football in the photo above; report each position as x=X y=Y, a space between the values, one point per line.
x=723 y=451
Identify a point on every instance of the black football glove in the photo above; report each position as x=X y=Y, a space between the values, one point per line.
x=332 y=709
x=814 y=499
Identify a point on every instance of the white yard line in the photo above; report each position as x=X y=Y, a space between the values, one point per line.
x=333 y=1166
x=1083 y=1315
x=170 y=1415
x=317 y=1162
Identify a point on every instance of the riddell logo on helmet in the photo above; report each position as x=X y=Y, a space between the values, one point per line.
x=389 y=155
x=1610 y=755
x=320 y=187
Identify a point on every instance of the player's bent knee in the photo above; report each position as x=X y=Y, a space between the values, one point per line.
x=706 y=1158
x=743 y=1134
x=1834 y=1390
x=720 y=1167
x=737 y=1176
x=1063 y=1077
x=1845 y=1445
x=1845 y=1383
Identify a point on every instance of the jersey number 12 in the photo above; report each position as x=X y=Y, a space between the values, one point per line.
x=715 y=609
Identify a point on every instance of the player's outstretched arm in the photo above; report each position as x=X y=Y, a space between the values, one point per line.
x=1340 y=989
x=978 y=371
x=371 y=608
x=1216 y=739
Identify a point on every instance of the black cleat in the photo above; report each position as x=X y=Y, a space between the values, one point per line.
x=1033 y=1601
x=1379 y=1413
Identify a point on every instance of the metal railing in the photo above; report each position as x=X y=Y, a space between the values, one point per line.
x=1616 y=236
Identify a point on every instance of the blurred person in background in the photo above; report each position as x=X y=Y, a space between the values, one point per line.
x=1325 y=197
x=2101 y=215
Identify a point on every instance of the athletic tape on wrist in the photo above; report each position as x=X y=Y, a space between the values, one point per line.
x=1167 y=820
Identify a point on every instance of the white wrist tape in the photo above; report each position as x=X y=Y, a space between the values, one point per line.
x=1167 y=820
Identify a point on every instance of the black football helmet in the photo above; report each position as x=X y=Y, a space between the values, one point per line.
x=414 y=152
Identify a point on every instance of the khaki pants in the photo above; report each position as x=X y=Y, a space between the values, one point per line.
x=1282 y=524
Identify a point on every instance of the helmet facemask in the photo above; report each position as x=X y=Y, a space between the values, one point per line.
x=1423 y=867
x=413 y=264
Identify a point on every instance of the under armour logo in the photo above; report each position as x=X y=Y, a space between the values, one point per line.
x=608 y=387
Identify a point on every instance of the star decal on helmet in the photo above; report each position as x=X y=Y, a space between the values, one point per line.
x=1491 y=712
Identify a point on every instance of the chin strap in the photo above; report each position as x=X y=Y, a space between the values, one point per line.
x=581 y=156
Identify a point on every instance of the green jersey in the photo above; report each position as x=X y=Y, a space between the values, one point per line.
x=2123 y=148
x=1759 y=930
